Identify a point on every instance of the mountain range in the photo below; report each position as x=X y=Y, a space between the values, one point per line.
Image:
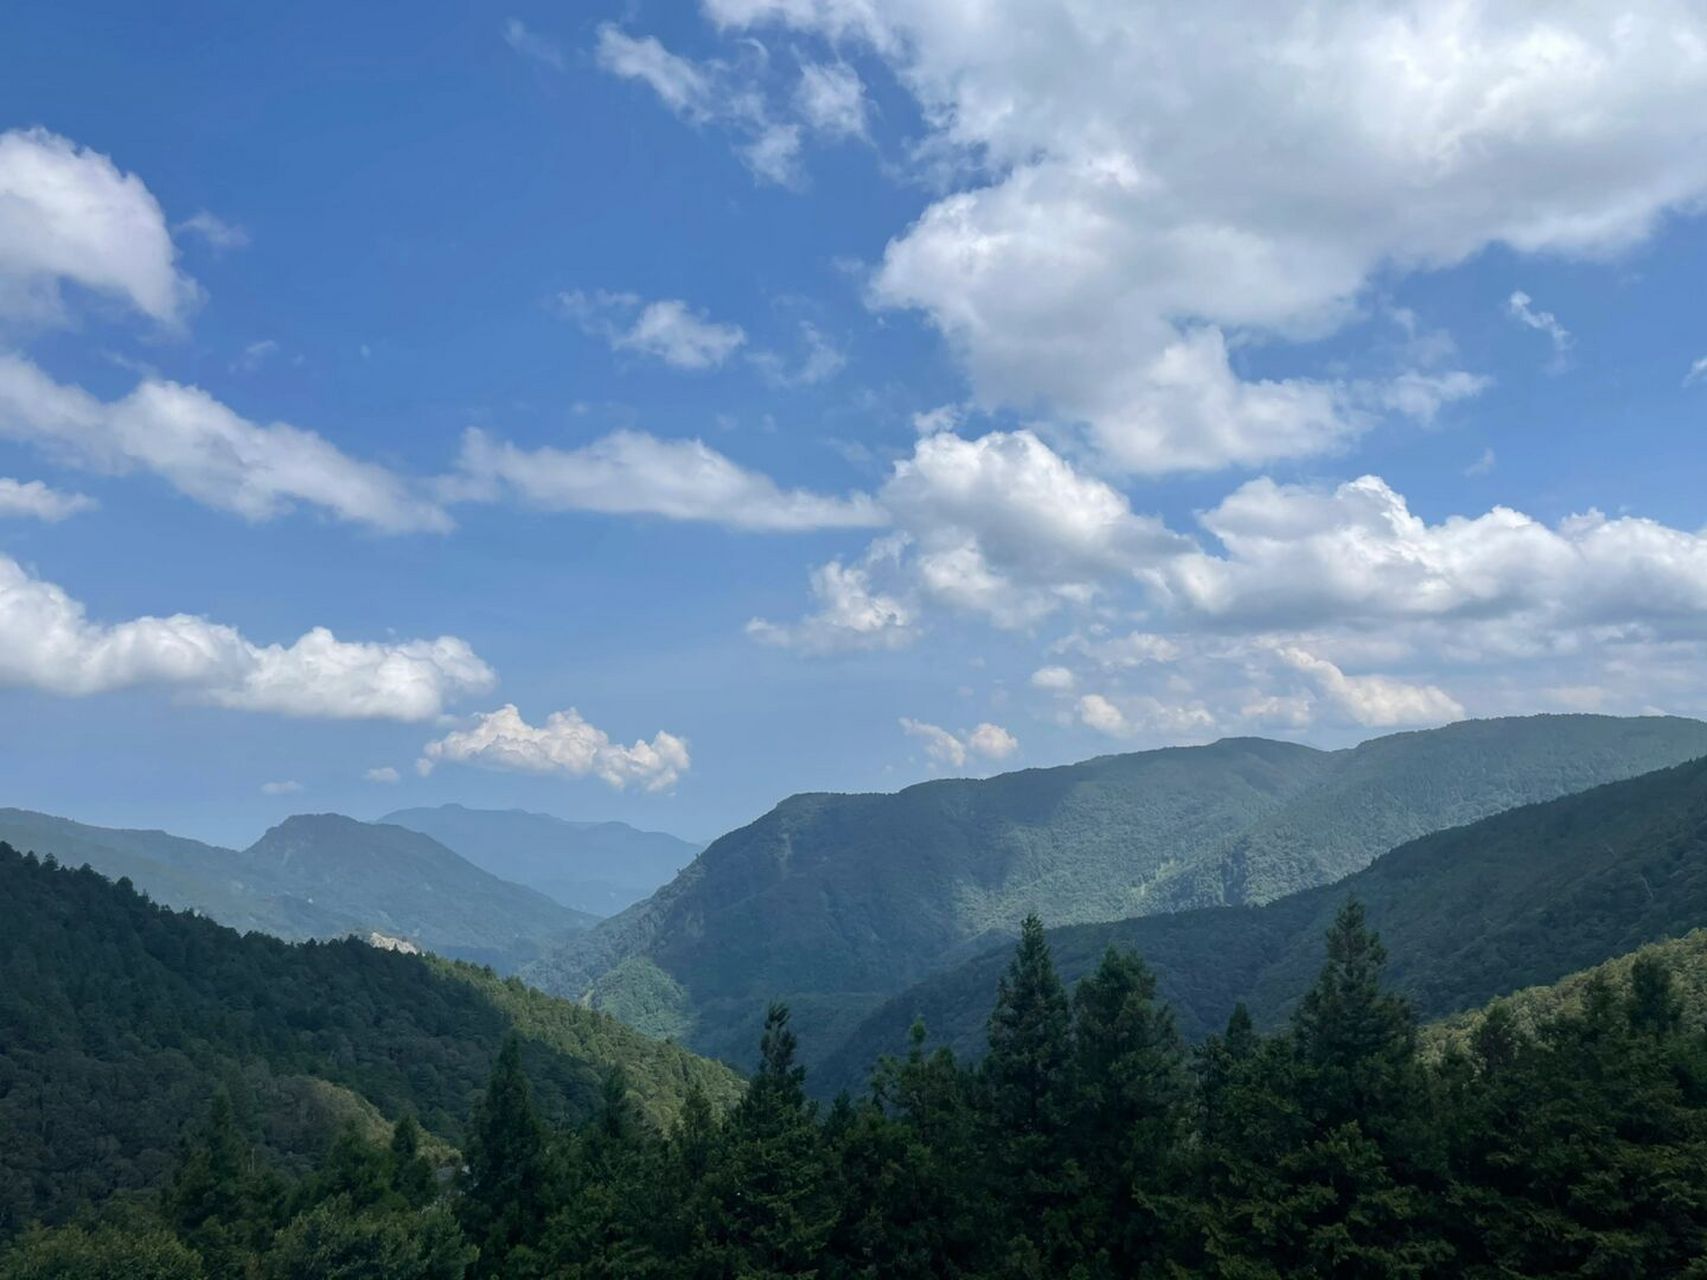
x=320 y=876
x=835 y=903
x=595 y=867
x=1517 y=899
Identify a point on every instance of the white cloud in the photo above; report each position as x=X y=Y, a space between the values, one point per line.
x=1053 y=679
x=1697 y=371
x=47 y=642
x=1299 y=556
x=668 y=329
x=37 y=501
x=286 y=788
x=1133 y=715
x=1483 y=465
x=632 y=473
x=952 y=750
x=1520 y=307
x=1097 y=712
x=1109 y=247
x=684 y=88
x=1376 y=701
x=531 y=44
x=254 y=355
x=565 y=744
x=851 y=614
x=205 y=451
x=382 y=773
x=708 y=94
x=831 y=97
x=69 y=215
x=215 y=231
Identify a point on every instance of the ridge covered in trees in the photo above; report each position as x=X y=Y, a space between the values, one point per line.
x=1089 y=1143
x=119 y=1018
x=1520 y=898
x=837 y=903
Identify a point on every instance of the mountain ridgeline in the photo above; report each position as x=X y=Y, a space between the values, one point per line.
x=120 y=1019
x=837 y=902
x=320 y=876
x=596 y=867
x=1522 y=898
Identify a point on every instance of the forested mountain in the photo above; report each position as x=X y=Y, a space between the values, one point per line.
x=596 y=867
x=1521 y=898
x=120 y=1018
x=835 y=902
x=320 y=876
x=1088 y=1142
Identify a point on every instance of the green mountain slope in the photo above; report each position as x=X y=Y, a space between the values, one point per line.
x=1518 y=899
x=596 y=867
x=836 y=902
x=407 y=885
x=120 y=1018
x=319 y=876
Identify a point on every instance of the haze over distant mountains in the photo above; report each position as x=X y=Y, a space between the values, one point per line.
x=598 y=867
x=320 y=876
x=837 y=902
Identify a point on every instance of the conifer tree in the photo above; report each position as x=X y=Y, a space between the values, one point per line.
x=506 y=1186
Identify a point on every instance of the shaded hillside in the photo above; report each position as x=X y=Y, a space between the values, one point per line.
x=1521 y=898
x=596 y=867
x=319 y=876
x=120 y=1018
x=835 y=902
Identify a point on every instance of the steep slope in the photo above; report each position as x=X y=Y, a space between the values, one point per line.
x=319 y=877
x=597 y=867
x=120 y=1018
x=1685 y=958
x=1521 y=898
x=835 y=902
x=407 y=885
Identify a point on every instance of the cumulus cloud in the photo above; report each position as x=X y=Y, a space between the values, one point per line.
x=851 y=613
x=632 y=473
x=205 y=451
x=1376 y=701
x=1131 y=715
x=668 y=330
x=284 y=788
x=37 y=501
x=1055 y=679
x=952 y=750
x=382 y=773
x=530 y=44
x=565 y=745
x=70 y=215
x=1521 y=307
x=1105 y=247
x=48 y=642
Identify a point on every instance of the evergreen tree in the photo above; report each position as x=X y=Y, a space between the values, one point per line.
x=506 y=1186
x=1028 y=1078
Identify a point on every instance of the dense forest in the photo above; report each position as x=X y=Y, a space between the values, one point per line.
x=836 y=903
x=119 y=1018
x=1520 y=898
x=1088 y=1143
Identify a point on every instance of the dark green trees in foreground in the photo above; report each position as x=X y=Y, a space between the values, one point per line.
x=1089 y=1143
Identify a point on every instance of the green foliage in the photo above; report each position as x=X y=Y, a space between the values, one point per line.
x=121 y=1019
x=1084 y=1147
x=837 y=902
x=1523 y=897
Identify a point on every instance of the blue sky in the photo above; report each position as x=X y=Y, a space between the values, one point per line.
x=866 y=390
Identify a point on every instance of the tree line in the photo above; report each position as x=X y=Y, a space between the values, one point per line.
x=1089 y=1142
